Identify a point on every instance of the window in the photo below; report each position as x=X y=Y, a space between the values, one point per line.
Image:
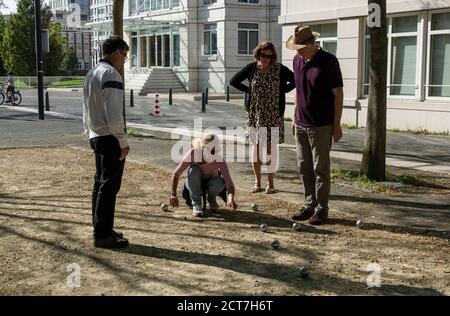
x=248 y=1
x=328 y=36
x=133 y=6
x=248 y=37
x=403 y=56
x=158 y=4
x=210 y=39
x=366 y=74
x=439 y=60
x=206 y=2
x=134 y=48
x=176 y=49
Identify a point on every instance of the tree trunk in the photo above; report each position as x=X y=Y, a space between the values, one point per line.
x=118 y=30
x=374 y=155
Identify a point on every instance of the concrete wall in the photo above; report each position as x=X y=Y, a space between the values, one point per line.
x=420 y=113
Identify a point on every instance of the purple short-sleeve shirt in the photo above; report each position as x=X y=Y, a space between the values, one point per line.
x=315 y=81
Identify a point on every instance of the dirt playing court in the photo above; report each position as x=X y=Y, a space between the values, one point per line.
x=45 y=226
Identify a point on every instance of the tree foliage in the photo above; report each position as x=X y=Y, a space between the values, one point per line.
x=17 y=46
x=57 y=47
x=2 y=27
x=70 y=60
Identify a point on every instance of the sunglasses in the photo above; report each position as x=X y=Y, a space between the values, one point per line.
x=268 y=56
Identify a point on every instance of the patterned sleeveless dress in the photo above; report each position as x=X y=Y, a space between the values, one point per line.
x=264 y=124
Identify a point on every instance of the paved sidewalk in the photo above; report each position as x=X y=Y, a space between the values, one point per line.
x=419 y=152
x=419 y=208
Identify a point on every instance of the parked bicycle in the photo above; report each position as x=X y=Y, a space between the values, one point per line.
x=15 y=97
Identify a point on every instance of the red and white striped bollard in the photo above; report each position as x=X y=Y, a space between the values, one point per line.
x=157 y=113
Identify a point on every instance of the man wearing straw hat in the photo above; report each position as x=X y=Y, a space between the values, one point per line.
x=318 y=111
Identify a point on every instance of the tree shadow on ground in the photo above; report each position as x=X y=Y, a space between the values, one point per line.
x=283 y=273
x=392 y=228
x=18 y=117
x=257 y=218
x=124 y=273
x=392 y=202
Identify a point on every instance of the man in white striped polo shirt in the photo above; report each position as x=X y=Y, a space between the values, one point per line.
x=104 y=122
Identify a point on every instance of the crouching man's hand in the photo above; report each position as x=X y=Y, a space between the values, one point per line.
x=231 y=203
x=174 y=201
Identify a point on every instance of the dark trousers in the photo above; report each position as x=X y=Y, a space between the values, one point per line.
x=9 y=91
x=107 y=181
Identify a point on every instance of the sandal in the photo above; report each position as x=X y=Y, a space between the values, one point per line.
x=256 y=188
x=270 y=190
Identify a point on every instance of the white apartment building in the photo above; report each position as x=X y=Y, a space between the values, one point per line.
x=418 y=79
x=100 y=23
x=78 y=36
x=201 y=42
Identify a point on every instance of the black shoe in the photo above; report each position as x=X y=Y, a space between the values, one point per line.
x=304 y=214
x=117 y=234
x=110 y=241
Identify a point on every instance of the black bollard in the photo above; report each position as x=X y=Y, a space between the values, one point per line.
x=206 y=95
x=170 y=96
x=228 y=93
x=245 y=99
x=47 y=102
x=203 y=102
x=131 y=98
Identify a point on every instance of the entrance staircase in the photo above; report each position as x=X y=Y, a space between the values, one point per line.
x=153 y=80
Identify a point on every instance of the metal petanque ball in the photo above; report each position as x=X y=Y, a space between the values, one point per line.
x=296 y=226
x=254 y=207
x=304 y=271
x=275 y=244
x=264 y=228
x=360 y=223
x=164 y=207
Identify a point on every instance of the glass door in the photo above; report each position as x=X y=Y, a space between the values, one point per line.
x=143 y=45
x=152 y=40
x=166 y=48
x=159 y=50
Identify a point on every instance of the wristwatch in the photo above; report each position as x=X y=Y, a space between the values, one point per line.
x=174 y=194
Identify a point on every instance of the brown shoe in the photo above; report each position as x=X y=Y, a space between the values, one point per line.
x=303 y=214
x=319 y=218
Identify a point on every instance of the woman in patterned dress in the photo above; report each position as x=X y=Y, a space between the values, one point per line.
x=269 y=82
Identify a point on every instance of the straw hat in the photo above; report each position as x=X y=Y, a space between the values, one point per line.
x=301 y=38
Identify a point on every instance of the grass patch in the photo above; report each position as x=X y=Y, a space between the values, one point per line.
x=354 y=177
x=20 y=84
x=287 y=119
x=435 y=183
x=419 y=131
x=73 y=83
x=391 y=182
x=348 y=126
x=135 y=133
